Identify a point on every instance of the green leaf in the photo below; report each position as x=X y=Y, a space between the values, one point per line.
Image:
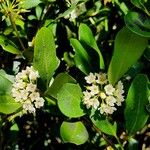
x=69 y=100
x=103 y=124
x=128 y=48
x=5 y=84
x=45 y=60
x=138 y=23
x=59 y=81
x=8 y=104
x=26 y=4
x=8 y=45
x=132 y=144
x=86 y=38
x=137 y=99
x=75 y=133
x=144 y=5
x=82 y=59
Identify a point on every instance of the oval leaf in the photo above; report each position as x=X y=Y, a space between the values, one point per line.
x=137 y=99
x=45 y=60
x=128 y=49
x=69 y=100
x=75 y=133
x=86 y=38
x=8 y=45
x=138 y=23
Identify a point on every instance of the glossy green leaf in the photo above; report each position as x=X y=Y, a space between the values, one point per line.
x=75 y=133
x=45 y=59
x=103 y=124
x=137 y=99
x=138 y=23
x=27 y=5
x=81 y=58
x=86 y=38
x=59 y=81
x=128 y=48
x=8 y=45
x=8 y=104
x=69 y=100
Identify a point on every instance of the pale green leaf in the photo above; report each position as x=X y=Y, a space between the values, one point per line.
x=69 y=100
x=8 y=45
x=75 y=133
x=8 y=104
x=45 y=59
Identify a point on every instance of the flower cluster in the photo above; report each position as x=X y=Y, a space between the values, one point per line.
x=25 y=90
x=101 y=95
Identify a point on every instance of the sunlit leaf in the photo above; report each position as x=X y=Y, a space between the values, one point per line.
x=69 y=100
x=45 y=59
x=8 y=45
x=74 y=132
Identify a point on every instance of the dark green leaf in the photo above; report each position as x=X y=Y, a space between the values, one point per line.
x=69 y=100
x=82 y=59
x=128 y=49
x=137 y=99
x=45 y=60
x=75 y=133
x=138 y=23
x=132 y=144
x=86 y=38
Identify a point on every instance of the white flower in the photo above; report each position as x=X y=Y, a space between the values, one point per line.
x=106 y=109
x=109 y=89
x=102 y=95
x=39 y=102
x=95 y=103
x=101 y=78
x=19 y=85
x=119 y=99
x=29 y=107
x=94 y=89
x=24 y=94
x=34 y=96
x=88 y=103
x=25 y=90
x=87 y=95
x=31 y=87
x=119 y=87
x=110 y=100
x=90 y=78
